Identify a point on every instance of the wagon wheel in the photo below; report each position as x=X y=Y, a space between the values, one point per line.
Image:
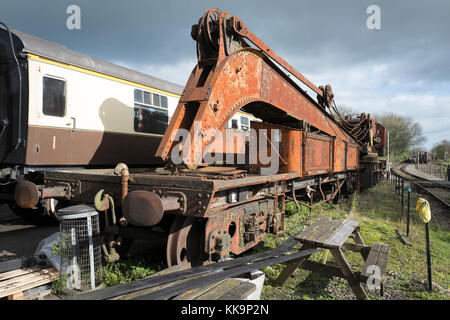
x=184 y=242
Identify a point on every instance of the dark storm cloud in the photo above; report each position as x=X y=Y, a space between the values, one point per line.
x=326 y=40
x=158 y=31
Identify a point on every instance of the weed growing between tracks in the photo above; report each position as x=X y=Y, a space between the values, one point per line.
x=379 y=214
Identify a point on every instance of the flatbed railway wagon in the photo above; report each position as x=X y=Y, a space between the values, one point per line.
x=63 y=109
x=207 y=205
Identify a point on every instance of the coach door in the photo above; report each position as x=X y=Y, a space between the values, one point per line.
x=49 y=135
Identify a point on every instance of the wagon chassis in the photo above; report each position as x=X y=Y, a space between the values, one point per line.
x=234 y=214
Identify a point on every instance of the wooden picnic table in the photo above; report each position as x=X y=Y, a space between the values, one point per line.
x=332 y=235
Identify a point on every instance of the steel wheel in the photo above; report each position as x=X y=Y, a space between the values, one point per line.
x=184 y=242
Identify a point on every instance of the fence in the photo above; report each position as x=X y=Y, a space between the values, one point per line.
x=437 y=170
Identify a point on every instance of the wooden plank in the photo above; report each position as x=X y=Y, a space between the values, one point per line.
x=384 y=248
x=233 y=272
x=23 y=279
x=37 y=295
x=322 y=268
x=382 y=263
x=44 y=279
x=218 y=291
x=308 y=230
x=137 y=293
x=194 y=293
x=405 y=240
x=383 y=259
x=320 y=230
x=16 y=296
x=357 y=237
x=11 y=264
x=355 y=247
x=125 y=288
x=290 y=268
x=241 y=292
x=371 y=259
x=18 y=272
x=337 y=224
x=351 y=278
x=338 y=239
x=317 y=233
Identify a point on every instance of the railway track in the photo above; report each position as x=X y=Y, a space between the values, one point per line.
x=439 y=190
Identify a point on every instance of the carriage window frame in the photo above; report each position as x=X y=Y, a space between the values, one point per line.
x=141 y=104
x=57 y=114
x=245 y=126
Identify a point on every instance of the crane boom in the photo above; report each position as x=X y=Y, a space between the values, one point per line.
x=231 y=76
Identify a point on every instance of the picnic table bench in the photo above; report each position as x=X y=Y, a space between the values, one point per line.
x=332 y=235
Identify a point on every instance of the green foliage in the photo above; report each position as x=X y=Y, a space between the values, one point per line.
x=142 y=261
x=404 y=134
x=55 y=249
x=441 y=149
x=379 y=214
x=115 y=273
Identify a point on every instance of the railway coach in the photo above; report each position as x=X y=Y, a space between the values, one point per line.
x=61 y=109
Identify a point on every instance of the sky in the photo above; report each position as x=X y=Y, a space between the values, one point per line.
x=403 y=67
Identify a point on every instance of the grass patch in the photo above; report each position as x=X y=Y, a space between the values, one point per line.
x=379 y=212
x=142 y=261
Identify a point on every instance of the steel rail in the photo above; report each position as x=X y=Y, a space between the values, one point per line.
x=417 y=184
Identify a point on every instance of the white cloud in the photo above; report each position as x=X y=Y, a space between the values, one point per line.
x=368 y=87
x=374 y=88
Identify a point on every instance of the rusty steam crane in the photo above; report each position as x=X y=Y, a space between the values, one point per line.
x=208 y=210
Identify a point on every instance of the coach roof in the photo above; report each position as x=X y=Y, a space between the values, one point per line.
x=60 y=53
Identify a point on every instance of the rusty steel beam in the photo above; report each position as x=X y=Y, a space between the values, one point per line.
x=240 y=28
x=234 y=77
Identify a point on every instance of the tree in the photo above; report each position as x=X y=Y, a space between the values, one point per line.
x=404 y=134
x=441 y=148
x=344 y=111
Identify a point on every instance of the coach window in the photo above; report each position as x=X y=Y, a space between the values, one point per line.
x=164 y=103
x=244 y=123
x=146 y=97
x=54 y=97
x=148 y=116
x=156 y=100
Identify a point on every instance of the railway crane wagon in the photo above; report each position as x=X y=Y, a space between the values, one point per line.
x=215 y=197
